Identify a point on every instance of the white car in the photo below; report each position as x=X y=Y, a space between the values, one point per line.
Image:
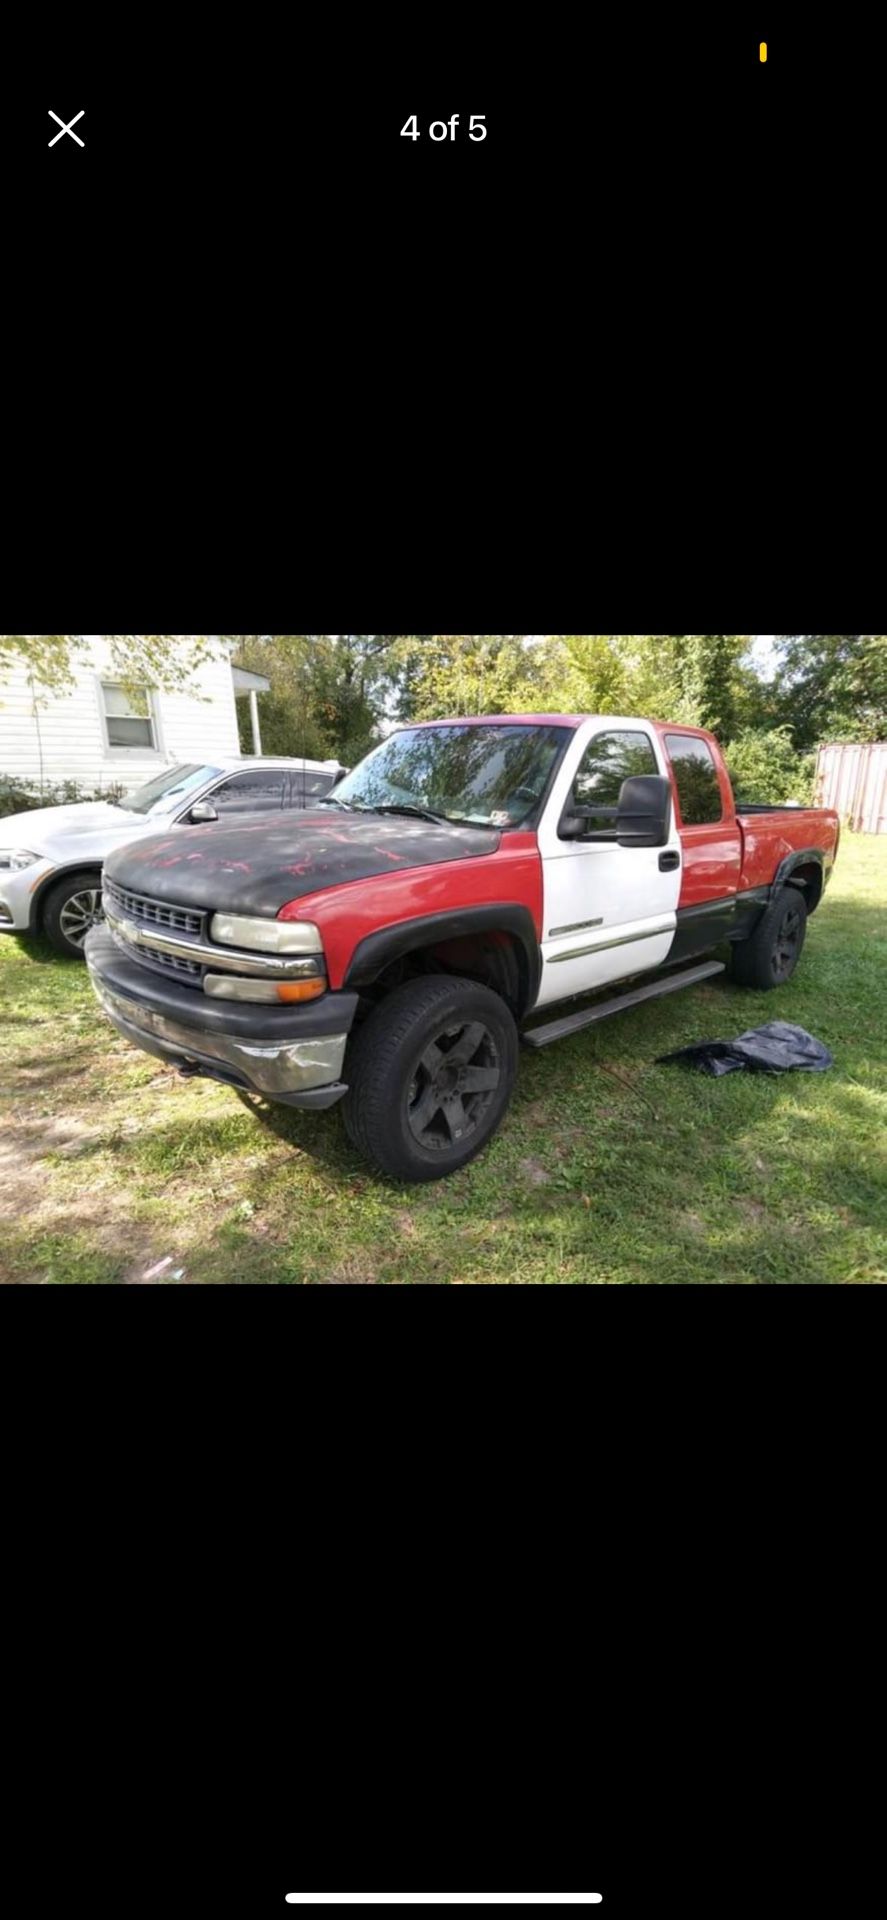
x=51 y=859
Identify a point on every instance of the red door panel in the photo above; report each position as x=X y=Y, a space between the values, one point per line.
x=712 y=848
x=712 y=863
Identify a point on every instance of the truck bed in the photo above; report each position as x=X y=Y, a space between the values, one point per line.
x=771 y=834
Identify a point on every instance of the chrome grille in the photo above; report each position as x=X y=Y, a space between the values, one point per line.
x=173 y=961
x=156 y=913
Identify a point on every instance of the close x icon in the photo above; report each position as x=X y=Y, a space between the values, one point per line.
x=66 y=127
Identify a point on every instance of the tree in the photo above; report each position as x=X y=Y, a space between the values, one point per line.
x=328 y=691
x=708 y=671
x=834 y=686
x=467 y=673
x=694 y=678
x=765 y=767
x=160 y=659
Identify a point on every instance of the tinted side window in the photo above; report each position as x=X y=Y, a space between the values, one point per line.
x=257 y=792
x=608 y=760
x=305 y=787
x=698 y=788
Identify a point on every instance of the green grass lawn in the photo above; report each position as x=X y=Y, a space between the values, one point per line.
x=608 y=1168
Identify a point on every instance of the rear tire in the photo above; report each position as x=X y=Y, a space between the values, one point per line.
x=430 y=1075
x=770 y=957
x=70 y=909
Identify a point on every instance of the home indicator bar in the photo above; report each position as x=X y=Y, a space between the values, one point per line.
x=444 y=1899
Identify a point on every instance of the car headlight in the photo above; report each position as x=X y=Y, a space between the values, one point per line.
x=265 y=936
x=13 y=859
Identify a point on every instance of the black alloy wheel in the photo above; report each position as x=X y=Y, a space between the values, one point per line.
x=429 y=1076
x=454 y=1086
x=787 y=944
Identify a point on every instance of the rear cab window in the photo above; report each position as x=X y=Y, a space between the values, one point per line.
x=696 y=777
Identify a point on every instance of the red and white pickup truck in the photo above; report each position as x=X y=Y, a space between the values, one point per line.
x=471 y=883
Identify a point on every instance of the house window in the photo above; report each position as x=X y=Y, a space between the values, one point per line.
x=129 y=716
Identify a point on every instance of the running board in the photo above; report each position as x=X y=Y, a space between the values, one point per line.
x=559 y=1029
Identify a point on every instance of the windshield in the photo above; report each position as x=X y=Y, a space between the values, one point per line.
x=481 y=775
x=161 y=794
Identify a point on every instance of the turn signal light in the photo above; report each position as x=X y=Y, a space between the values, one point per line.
x=233 y=986
x=300 y=989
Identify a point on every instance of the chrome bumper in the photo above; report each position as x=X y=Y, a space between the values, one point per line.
x=299 y=1071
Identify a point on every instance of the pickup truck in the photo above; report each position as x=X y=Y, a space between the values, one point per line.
x=472 y=883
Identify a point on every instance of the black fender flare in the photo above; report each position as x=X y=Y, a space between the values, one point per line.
x=377 y=950
x=803 y=857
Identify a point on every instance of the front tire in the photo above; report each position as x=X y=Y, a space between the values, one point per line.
x=770 y=957
x=430 y=1075
x=71 y=908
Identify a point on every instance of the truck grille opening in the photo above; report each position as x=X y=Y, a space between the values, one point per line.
x=173 y=962
x=157 y=913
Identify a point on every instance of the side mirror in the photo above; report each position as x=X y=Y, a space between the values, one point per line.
x=202 y=812
x=644 y=811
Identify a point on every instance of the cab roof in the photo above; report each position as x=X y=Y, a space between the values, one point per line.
x=506 y=720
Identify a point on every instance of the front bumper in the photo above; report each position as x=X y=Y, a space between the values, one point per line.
x=17 y=892
x=291 y=1054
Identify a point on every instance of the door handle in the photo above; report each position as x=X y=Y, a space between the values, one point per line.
x=668 y=862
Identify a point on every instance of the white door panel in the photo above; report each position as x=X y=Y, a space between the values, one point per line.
x=609 y=911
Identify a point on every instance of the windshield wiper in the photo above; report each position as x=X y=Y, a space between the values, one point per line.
x=345 y=805
x=465 y=820
x=418 y=813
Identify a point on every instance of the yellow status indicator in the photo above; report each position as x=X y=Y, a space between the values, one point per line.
x=763 y=51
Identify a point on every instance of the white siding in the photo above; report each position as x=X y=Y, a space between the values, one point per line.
x=72 y=736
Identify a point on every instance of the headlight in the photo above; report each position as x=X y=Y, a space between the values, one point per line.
x=13 y=859
x=265 y=936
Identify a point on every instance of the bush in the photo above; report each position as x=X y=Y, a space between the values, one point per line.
x=22 y=796
x=764 y=765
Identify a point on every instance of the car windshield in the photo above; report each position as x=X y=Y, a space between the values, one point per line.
x=161 y=794
x=477 y=774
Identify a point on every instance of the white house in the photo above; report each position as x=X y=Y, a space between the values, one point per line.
x=103 y=735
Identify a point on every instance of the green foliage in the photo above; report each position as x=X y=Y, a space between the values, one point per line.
x=328 y=692
x=22 y=796
x=49 y=657
x=476 y=673
x=764 y=766
x=332 y=694
x=834 y=686
x=165 y=660
x=692 y=678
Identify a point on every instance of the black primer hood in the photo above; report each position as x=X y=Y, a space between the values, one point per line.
x=258 y=866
